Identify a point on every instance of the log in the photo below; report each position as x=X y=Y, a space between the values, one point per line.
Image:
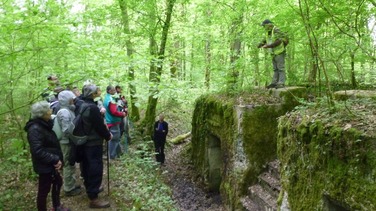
x=179 y=139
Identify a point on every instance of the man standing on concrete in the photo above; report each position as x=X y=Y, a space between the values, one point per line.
x=275 y=41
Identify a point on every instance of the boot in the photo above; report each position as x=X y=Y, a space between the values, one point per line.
x=96 y=203
x=76 y=191
x=279 y=86
x=270 y=86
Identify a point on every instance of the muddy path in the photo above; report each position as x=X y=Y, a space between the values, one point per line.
x=188 y=192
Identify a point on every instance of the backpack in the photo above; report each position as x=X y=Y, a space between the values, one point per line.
x=79 y=135
x=57 y=127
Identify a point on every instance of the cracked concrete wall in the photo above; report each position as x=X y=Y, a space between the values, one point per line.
x=232 y=141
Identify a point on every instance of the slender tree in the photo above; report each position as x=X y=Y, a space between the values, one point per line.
x=156 y=70
x=134 y=114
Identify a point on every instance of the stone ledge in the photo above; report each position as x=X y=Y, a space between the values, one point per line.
x=354 y=94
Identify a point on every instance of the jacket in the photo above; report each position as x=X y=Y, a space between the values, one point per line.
x=44 y=147
x=65 y=115
x=159 y=135
x=274 y=40
x=113 y=116
x=94 y=124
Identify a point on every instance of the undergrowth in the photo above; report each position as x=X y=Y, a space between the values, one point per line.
x=138 y=183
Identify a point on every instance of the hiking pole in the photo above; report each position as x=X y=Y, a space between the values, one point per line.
x=108 y=170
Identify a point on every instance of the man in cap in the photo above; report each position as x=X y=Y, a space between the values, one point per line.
x=92 y=150
x=275 y=41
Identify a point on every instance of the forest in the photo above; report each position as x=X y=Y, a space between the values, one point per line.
x=165 y=54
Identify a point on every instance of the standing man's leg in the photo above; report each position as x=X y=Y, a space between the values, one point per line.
x=44 y=186
x=157 y=145
x=162 y=155
x=275 y=70
x=93 y=174
x=57 y=182
x=115 y=141
x=280 y=67
x=69 y=172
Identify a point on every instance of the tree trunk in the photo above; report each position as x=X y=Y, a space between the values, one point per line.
x=134 y=111
x=235 y=51
x=352 y=63
x=207 y=63
x=156 y=73
x=235 y=48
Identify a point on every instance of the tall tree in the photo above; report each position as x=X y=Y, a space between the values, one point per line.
x=156 y=71
x=134 y=114
x=235 y=32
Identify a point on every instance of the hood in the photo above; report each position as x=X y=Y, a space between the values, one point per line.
x=64 y=98
x=45 y=124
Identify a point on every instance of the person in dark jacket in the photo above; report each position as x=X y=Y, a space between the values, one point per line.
x=92 y=151
x=159 y=138
x=46 y=155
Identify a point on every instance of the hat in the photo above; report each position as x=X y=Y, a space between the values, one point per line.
x=266 y=21
x=89 y=90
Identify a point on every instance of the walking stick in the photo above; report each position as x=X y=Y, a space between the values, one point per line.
x=108 y=170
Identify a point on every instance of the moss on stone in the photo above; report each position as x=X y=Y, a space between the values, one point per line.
x=260 y=132
x=244 y=120
x=320 y=159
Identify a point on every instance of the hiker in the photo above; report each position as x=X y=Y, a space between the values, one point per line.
x=113 y=119
x=46 y=155
x=65 y=119
x=122 y=105
x=275 y=41
x=159 y=138
x=48 y=93
x=92 y=151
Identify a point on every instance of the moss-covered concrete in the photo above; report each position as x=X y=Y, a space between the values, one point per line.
x=354 y=94
x=245 y=126
x=327 y=163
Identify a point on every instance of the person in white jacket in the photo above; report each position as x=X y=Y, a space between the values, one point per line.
x=65 y=119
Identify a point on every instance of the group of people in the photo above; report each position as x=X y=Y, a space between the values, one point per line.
x=50 y=155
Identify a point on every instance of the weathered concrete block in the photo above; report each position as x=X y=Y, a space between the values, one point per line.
x=327 y=162
x=354 y=94
x=234 y=137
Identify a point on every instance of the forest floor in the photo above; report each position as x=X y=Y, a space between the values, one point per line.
x=188 y=193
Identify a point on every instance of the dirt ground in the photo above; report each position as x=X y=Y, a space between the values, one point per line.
x=188 y=193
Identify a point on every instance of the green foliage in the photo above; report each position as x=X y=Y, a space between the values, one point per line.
x=16 y=172
x=138 y=183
